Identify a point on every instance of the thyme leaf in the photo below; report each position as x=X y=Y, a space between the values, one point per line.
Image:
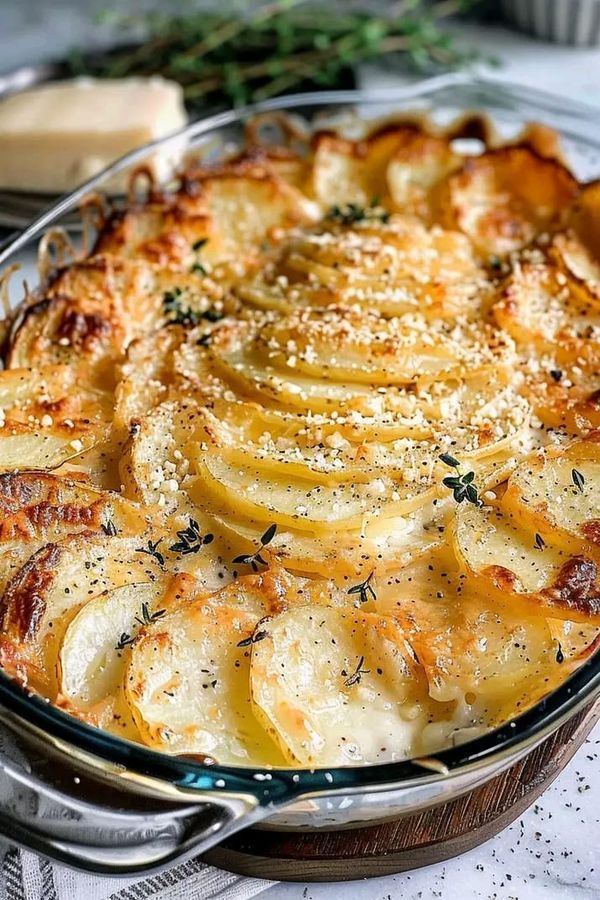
x=190 y=539
x=578 y=480
x=146 y=617
x=109 y=528
x=357 y=674
x=255 y=559
x=151 y=550
x=253 y=638
x=461 y=484
x=351 y=213
x=177 y=312
x=365 y=590
x=124 y=641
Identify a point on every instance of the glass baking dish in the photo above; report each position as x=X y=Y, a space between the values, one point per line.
x=101 y=803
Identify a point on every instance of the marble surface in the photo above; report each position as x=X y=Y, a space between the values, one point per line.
x=553 y=850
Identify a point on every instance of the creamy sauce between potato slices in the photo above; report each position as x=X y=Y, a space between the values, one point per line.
x=300 y=465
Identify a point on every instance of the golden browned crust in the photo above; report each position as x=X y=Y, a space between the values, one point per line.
x=316 y=429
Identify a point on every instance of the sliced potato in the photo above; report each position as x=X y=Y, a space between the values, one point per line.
x=492 y=661
x=346 y=171
x=358 y=347
x=61 y=331
x=146 y=376
x=188 y=686
x=504 y=197
x=384 y=545
x=338 y=688
x=539 y=306
x=37 y=507
x=556 y=492
x=398 y=268
x=39 y=601
x=302 y=504
x=96 y=647
x=46 y=419
x=418 y=165
x=488 y=544
x=515 y=563
x=41 y=450
x=156 y=458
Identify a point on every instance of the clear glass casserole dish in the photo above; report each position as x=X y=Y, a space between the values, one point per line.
x=94 y=801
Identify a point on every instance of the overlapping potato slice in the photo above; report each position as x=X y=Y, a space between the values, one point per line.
x=352 y=554
x=55 y=582
x=418 y=166
x=39 y=507
x=393 y=268
x=146 y=376
x=399 y=163
x=95 y=647
x=556 y=492
x=345 y=381
x=302 y=504
x=518 y=564
x=505 y=197
x=338 y=687
x=346 y=171
x=538 y=306
x=161 y=229
x=156 y=458
x=135 y=290
x=493 y=661
x=577 y=260
x=490 y=545
x=187 y=684
x=344 y=346
x=45 y=420
x=63 y=331
x=247 y=208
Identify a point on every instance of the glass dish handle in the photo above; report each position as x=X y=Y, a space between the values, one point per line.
x=92 y=826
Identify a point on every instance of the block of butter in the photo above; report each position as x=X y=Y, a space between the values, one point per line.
x=56 y=136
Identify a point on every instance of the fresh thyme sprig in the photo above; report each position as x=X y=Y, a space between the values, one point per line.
x=109 y=528
x=365 y=590
x=191 y=540
x=286 y=45
x=197 y=266
x=124 y=641
x=351 y=213
x=253 y=639
x=356 y=675
x=461 y=484
x=177 y=312
x=255 y=559
x=146 y=617
x=151 y=550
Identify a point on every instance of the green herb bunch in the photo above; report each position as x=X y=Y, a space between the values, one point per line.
x=221 y=58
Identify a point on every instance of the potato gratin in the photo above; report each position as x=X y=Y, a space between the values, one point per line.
x=301 y=464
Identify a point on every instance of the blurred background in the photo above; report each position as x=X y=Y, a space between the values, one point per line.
x=221 y=53
x=227 y=53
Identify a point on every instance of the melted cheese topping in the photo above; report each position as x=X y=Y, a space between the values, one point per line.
x=322 y=473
